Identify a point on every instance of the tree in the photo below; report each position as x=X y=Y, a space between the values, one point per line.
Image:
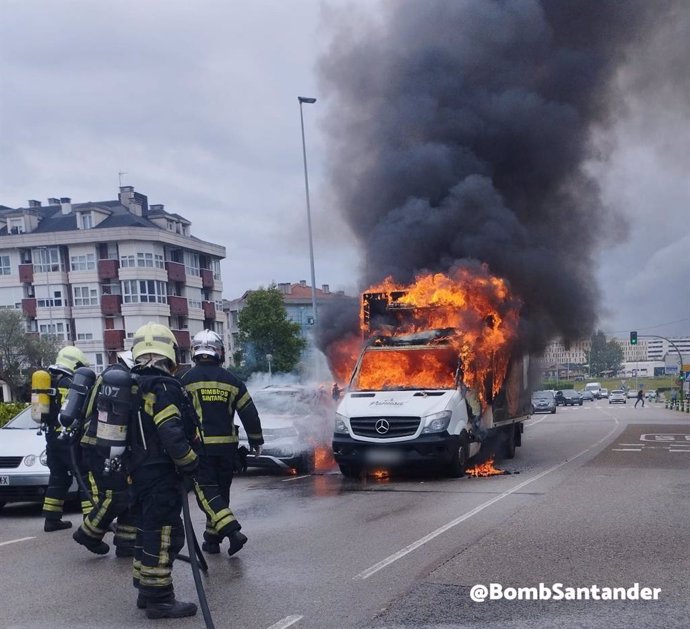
x=604 y=355
x=266 y=330
x=21 y=353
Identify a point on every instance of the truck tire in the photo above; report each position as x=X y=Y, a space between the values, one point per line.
x=350 y=471
x=510 y=442
x=457 y=465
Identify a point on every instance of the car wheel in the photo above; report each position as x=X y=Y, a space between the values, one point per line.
x=458 y=464
x=510 y=443
x=351 y=471
x=553 y=412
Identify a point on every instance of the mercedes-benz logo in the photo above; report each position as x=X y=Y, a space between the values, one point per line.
x=382 y=426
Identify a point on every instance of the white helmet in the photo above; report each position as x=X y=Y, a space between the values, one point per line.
x=208 y=344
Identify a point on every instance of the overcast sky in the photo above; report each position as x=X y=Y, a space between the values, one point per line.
x=197 y=103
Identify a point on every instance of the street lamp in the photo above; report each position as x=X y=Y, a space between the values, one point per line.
x=269 y=358
x=309 y=101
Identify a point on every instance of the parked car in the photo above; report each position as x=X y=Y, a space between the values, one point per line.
x=24 y=471
x=568 y=397
x=587 y=395
x=543 y=402
x=632 y=394
x=295 y=421
x=618 y=397
x=603 y=393
x=651 y=396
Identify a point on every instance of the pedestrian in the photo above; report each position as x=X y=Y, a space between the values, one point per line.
x=160 y=442
x=335 y=391
x=59 y=458
x=216 y=394
x=640 y=398
x=111 y=499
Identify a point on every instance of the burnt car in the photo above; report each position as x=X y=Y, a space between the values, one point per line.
x=568 y=397
x=543 y=402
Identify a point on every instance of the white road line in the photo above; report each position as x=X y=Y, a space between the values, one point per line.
x=286 y=622
x=14 y=541
x=677 y=450
x=626 y=449
x=287 y=480
x=446 y=527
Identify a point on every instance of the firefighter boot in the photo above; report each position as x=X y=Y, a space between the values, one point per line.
x=211 y=544
x=237 y=540
x=141 y=601
x=169 y=608
x=94 y=545
x=56 y=525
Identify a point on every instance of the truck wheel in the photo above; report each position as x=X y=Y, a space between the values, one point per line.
x=509 y=447
x=350 y=471
x=457 y=465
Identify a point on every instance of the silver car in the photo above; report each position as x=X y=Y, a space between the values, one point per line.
x=544 y=402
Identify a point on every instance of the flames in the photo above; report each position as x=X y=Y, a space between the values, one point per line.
x=474 y=305
x=484 y=469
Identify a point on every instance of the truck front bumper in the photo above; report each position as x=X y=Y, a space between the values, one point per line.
x=432 y=449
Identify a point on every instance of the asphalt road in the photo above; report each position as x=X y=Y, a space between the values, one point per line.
x=598 y=496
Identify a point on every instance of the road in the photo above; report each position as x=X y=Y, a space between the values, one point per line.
x=599 y=495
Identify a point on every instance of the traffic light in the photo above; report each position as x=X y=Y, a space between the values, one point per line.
x=633 y=338
x=681 y=376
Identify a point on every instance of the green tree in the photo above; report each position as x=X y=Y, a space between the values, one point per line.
x=266 y=330
x=604 y=356
x=21 y=353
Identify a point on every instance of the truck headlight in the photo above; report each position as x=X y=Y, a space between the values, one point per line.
x=340 y=424
x=438 y=422
x=29 y=460
x=44 y=458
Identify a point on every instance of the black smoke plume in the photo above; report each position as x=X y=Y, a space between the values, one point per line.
x=461 y=130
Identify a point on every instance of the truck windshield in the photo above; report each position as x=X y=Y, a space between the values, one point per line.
x=388 y=369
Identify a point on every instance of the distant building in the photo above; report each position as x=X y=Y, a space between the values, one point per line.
x=91 y=273
x=298 y=304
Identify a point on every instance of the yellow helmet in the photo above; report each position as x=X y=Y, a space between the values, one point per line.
x=155 y=338
x=69 y=359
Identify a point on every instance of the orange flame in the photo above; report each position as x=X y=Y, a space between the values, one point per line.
x=477 y=306
x=380 y=474
x=323 y=459
x=484 y=469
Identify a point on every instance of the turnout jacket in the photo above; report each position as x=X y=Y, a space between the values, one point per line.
x=216 y=394
x=162 y=429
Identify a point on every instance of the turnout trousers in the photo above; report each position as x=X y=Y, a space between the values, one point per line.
x=156 y=507
x=212 y=489
x=60 y=480
x=111 y=502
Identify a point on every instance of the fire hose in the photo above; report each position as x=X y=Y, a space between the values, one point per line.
x=77 y=474
x=196 y=558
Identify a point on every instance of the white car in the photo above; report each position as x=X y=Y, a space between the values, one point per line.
x=603 y=393
x=617 y=397
x=23 y=469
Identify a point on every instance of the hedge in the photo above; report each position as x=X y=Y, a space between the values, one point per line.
x=9 y=409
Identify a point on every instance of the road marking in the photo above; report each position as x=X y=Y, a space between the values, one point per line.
x=14 y=541
x=626 y=449
x=446 y=527
x=287 y=480
x=286 y=622
x=677 y=450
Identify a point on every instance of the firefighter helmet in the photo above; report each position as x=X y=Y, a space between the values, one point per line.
x=125 y=358
x=69 y=359
x=208 y=344
x=154 y=339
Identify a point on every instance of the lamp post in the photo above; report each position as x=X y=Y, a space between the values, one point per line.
x=309 y=101
x=269 y=358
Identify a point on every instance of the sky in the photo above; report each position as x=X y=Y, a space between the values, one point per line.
x=197 y=104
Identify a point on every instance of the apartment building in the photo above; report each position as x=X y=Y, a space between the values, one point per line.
x=92 y=273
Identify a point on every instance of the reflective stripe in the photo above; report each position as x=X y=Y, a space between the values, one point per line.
x=149 y=401
x=167 y=413
x=55 y=509
x=243 y=401
x=255 y=437
x=224 y=386
x=186 y=459
x=218 y=440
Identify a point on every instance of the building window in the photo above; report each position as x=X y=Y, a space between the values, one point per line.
x=99 y=363
x=85 y=336
x=144 y=291
x=158 y=259
x=5 y=265
x=215 y=267
x=86 y=220
x=195 y=303
x=54 y=302
x=191 y=263
x=85 y=296
x=16 y=226
x=127 y=261
x=56 y=330
x=146 y=260
x=47 y=259
x=86 y=262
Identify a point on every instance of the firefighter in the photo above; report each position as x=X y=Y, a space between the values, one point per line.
x=217 y=394
x=111 y=484
x=160 y=450
x=59 y=459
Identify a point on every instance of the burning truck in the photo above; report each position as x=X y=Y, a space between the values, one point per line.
x=439 y=375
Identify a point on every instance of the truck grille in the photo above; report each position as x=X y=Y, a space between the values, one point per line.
x=397 y=426
x=10 y=462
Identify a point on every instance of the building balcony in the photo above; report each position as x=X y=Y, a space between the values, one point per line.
x=209 y=309
x=176 y=272
x=26 y=273
x=183 y=339
x=107 y=269
x=29 y=307
x=178 y=306
x=207 y=279
x=111 y=305
x=114 y=340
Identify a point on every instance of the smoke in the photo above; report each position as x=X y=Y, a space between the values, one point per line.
x=463 y=131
